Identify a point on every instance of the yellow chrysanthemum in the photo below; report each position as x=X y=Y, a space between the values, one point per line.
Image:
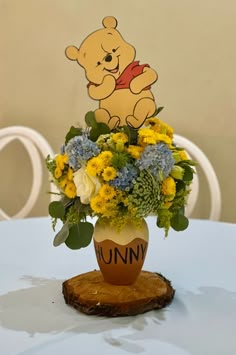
x=106 y=157
x=63 y=182
x=57 y=173
x=107 y=192
x=61 y=160
x=147 y=136
x=109 y=173
x=120 y=136
x=160 y=127
x=97 y=204
x=70 y=174
x=154 y=123
x=146 y=132
x=70 y=190
x=135 y=151
x=168 y=187
x=166 y=129
x=183 y=155
x=95 y=166
x=163 y=138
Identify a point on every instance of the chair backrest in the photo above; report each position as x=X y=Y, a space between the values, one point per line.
x=35 y=144
x=197 y=154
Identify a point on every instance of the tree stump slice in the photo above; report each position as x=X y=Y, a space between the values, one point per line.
x=90 y=294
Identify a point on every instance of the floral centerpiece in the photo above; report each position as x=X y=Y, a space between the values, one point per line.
x=118 y=175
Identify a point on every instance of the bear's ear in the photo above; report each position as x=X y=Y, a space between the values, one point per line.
x=109 y=22
x=72 y=52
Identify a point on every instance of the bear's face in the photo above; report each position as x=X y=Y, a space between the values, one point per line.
x=103 y=53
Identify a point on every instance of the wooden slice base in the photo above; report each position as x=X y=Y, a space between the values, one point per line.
x=90 y=294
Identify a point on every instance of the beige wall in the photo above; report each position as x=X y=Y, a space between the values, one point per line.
x=191 y=44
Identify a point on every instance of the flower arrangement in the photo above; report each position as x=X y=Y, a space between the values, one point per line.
x=118 y=175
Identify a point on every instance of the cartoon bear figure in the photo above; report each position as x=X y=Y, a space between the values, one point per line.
x=120 y=84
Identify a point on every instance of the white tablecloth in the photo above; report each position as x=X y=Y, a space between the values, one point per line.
x=34 y=319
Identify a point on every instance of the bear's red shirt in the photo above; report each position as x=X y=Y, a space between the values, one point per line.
x=131 y=71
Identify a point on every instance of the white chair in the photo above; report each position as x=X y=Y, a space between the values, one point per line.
x=197 y=154
x=34 y=144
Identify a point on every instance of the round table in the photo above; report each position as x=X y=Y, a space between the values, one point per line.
x=34 y=319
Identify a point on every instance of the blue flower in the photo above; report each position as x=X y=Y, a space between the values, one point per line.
x=125 y=178
x=80 y=149
x=157 y=159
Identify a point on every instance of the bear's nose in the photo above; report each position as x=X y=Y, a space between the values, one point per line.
x=108 y=58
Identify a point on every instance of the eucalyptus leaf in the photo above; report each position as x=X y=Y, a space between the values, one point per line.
x=61 y=236
x=101 y=128
x=179 y=222
x=80 y=235
x=73 y=132
x=188 y=173
x=56 y=209
x=86 y=231
x=90 y=119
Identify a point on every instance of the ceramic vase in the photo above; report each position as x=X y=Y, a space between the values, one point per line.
x=121 y=254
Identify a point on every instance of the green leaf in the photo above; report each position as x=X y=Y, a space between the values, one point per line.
x=86 y=230
x=61 y=236
x=90 y=119
x=158 y=110
x=180 y=185
x=80 y=235
x=188 y=173
x=132 y=134
x=73 y=132
x=56 y=209
x=101 y=128
x=179 y=222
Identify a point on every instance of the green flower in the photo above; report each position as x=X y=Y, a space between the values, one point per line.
x=145 y=197
x=177 y=172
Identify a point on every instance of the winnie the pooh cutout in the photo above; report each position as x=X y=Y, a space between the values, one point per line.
x=120 y=84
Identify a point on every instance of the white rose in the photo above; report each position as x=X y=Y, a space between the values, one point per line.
x=87 y=186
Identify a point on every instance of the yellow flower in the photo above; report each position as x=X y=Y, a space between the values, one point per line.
x=106 y=157
x=183 y=155
x=163 y=138
x=70 y=190
x=149 y=136
x=70 y=174
x=95 y=166
x=57 y=173
x=63 y=182
x=154 y=123
x=146 y=132
x=109 y=173
x=107 y=192
x=61 y=160
x=135 y=151
x=166 y=129
x=168 y=187
x=120 y=136
x=160 y=127
x=97 y=204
